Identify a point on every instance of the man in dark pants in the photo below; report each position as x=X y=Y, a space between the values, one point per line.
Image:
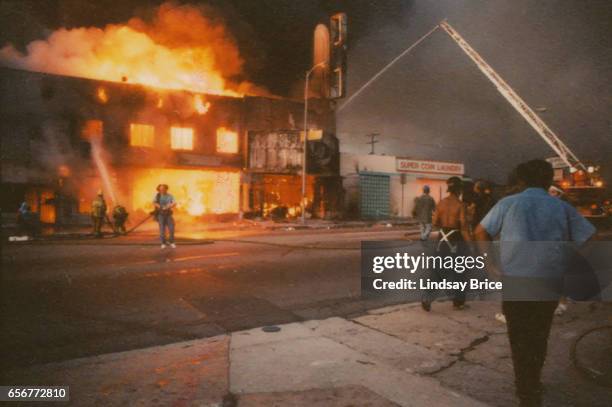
x=528 y=325
x=532 y=226
x=424 y=206
x=453 y=232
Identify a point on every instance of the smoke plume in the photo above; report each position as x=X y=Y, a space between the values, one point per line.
x=181 y=47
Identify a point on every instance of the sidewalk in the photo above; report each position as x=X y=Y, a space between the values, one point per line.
x=392 y=356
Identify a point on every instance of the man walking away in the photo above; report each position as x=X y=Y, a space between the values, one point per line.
x=98 y=213
x=164 y=203
x=424 y=206
x=532 y=216
x=454 y=231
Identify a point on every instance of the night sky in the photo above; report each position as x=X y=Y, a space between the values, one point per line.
x=435 y=103
x=432 y=104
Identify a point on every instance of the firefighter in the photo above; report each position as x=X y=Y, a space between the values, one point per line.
x=120 y=216
x=27 y=221
x=164 y=203
x=98 y=213
x=450 y=219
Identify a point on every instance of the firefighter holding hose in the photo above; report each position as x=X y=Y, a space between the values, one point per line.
x=98 y=213
x=120 y=216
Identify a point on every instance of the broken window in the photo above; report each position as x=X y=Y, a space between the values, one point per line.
x=181 y=138
x=92 y=129
x=227 y=141
x=142 y=135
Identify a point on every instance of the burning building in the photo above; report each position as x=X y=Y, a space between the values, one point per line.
x=125 y=107
x=64 y=138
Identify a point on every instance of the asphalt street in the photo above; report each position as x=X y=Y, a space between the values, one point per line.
x=63 y=300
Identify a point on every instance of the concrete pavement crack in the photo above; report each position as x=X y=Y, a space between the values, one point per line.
x=460 y=357
x=377 y=330
x=229 y=400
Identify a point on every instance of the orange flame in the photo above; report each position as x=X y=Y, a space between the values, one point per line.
x=197 y=192
x=183 y=47
x=195 y=207
x=63 y=171
x=102 y=95
x=199 y=105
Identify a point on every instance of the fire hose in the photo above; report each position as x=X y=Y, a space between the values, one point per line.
x=192 y=243
x=139 y=223
x=80 y=236
x=599 y=377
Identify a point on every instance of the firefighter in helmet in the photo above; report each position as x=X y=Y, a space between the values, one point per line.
x=120 y=216
x=98 y=213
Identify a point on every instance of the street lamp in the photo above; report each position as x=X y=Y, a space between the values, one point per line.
x=303 y=204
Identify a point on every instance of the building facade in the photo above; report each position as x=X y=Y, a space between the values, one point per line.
x=65 y=138
x=384 y=187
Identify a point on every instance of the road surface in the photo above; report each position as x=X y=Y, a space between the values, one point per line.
x=72 y=299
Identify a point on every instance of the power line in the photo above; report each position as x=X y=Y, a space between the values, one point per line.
x=386 y=67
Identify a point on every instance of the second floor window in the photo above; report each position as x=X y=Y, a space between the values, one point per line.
x=92 y=130
x=181 y=138
x=227 y=141
x=142 y=135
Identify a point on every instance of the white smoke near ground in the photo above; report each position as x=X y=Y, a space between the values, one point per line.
x=181 y=47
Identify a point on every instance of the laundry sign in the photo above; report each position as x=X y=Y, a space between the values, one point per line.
x=431 y=167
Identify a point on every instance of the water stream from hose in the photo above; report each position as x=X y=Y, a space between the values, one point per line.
x=96 y=153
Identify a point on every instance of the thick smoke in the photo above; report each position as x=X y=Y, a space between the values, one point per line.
x=181 y=47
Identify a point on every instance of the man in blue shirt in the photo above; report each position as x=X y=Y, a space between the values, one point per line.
x=164 y=203
x=532 y=227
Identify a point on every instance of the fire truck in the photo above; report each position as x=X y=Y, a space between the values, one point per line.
x=582 y=184
x=583 y=187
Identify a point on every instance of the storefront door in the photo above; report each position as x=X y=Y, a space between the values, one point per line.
x=374 y=196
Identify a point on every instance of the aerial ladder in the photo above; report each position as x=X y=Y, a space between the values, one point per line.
x=587 y=194
x=515 y=100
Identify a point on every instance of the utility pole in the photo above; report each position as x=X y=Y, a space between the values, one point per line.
x=372 y=141
x=305 y=143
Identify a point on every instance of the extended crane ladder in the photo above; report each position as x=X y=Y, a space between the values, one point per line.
x=515 y=100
